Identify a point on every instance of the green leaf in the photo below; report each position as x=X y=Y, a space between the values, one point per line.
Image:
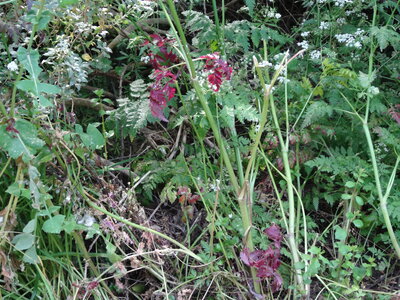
x=44 y=20
x=346 y=196
x=68 y=2
x=49 y=88
x=54 y=224
x=30 y=256
x=340 y=233
x=359 y=200
x=23 y=241
x=350 y=184
x=30 y=61
x=93 y=139
x=27 y=86
x=24 y=143
x=358 y=223
x=250 y=5
x=30 y=227
x=14 y=189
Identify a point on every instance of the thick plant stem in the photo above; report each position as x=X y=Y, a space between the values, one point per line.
x=292 y=210
x=246 y=218
x=382 y=198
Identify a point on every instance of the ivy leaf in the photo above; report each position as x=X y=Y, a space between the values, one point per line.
x=54 y=224
x=25 y=142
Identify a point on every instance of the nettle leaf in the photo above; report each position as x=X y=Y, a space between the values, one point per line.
x=25 y=142
x=54 y=224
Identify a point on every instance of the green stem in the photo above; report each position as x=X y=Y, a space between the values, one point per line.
x=382 y=198
x=246 y=218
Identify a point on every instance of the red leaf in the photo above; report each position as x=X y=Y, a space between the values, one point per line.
x=274 y=233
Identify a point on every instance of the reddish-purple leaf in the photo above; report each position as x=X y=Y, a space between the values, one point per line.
x=274 y=233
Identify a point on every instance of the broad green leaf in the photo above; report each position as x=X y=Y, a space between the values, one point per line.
x=30 y=61
x=30 y=227
x=54 y=224
x=340 y=233
x=25 y=143
x=30 y=256
x=44 y=101
x=14 y=189
x=358 y=223
x=49 y=211
x=49 y=88
x=93 y=139
x=23 y=241
x=44 y=20
x=27 y=86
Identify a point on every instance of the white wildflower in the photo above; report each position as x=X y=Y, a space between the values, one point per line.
x=324 y=25
x=264 y=64
x=315 y=54
x=304 y=44
x=12 y=66
x=305 y=34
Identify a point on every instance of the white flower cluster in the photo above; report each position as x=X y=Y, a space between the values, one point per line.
x=12 y=66
x=324 y=25
x=342 y=3
x=304 y=44
x=315 y=54
x=264 y=64
x=270 y=13
x=352 y=40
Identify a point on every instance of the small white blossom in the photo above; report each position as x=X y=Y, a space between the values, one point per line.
x=305 y=34
x=264 y=64
x=342 y=3
x=12 y=66
x=304 y=44
x=324 y=25
x=315 y=54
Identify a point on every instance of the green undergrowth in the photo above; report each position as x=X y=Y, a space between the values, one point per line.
x=199 y=149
